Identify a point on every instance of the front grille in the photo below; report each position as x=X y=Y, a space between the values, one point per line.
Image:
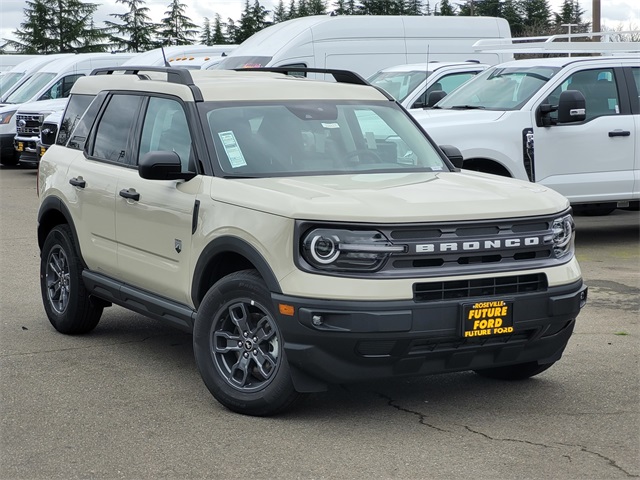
x=480 y=287
x=28 y=124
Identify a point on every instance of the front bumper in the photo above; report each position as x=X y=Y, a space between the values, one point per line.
x=27 y=148
x=374 y=340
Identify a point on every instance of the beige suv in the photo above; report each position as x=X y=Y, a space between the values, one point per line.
x=307 y=232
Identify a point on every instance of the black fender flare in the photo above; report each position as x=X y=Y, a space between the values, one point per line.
x=56 y=205
x=234 y=245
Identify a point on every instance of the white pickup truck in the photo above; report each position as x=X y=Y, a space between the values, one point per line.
x=526 y=119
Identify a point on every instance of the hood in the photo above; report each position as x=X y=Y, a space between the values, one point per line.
x=455 y=117
x=392 y=197
x=42 y=106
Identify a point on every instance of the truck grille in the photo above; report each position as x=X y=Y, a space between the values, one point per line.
x=28 y=124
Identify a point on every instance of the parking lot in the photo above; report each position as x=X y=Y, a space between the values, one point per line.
x=126 y=401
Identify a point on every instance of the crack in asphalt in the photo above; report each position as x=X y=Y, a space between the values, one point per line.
x=102 y=345
x=421 y=416
x=422 y=420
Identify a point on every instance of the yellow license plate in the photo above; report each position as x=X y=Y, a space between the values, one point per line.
x=487 y=318
x=20 y=147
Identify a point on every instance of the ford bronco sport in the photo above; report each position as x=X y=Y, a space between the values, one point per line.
x=306 y=232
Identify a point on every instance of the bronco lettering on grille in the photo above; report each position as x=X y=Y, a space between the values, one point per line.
x=478 y=246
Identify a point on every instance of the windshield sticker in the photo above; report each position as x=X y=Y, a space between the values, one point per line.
x=232 y=149
x=330 y=125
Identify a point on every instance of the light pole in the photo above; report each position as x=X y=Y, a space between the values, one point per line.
x=595 y=17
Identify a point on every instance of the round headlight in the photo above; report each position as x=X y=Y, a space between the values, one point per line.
x=324 y=249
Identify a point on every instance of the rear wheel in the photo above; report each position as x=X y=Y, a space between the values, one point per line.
x=596 y=210
x=239 y=349
x=66 y=300
x=521 y=371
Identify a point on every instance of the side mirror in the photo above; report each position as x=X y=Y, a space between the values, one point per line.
x=162 y=166
x=453 y=154
x=435 y=97
x=571 y=107
x=543 y=115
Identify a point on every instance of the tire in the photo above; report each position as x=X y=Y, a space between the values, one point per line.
x=9 y=160
x=521 y=371
x=65 y=298
x=239 y=349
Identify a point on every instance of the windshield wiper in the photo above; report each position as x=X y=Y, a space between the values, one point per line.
x=468 y=107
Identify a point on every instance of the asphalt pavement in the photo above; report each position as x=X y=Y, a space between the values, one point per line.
x=127 y=402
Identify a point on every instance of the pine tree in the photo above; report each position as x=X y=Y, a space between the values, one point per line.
x=177 y=28
x=488 y=8
x=413 y=7
x=218 y=37
x=293 y=11
x=536 y=14
x=280 y=13
x=571 y=13
x=381 y=7
x=317 y=7
x=63 y=26
x=135 y=33
x=303 y=8
x=206 y=36
x=259 y=15
x=511 y=12
x=232 y=31
x=446 y=9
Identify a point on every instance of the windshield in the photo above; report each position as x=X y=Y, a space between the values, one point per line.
x=317 y=137
x=399 y=84
x=30 y=88
x=498 y=88
x=229 y=63
x=8 y=80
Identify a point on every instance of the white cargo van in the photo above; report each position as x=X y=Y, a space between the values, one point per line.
x=12 y=79
x=7 y=62
x=366 y=44
x=54 y=80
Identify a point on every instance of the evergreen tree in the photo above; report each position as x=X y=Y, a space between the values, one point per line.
x=413 y=7
x=352 y=8
x=135 y=33
x=206 y=36
x=293 y=11
x=571 y=13
x=280 y=13
x=218 y=37
x=446 y=9
x=303 y=8
x=340 y=7
x=259 y=15
x=177 y=28
x=381 y=7
x=511 y=12
x=536 y=15
x=63 y=26
x=488 y=8
x=317 y=7
x=232 y=31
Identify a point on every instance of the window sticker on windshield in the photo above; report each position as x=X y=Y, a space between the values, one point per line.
x=330 y=125
x=231 y=147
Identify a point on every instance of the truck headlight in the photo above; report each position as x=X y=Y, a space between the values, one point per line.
x=5 y=117
x=563 y=230
x=347 y=250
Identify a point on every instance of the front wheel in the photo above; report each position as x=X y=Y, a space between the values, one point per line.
x=521 y=371
x=238 y=347
x=66 y=301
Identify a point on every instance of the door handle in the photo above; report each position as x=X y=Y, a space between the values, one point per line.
x=130 y=194
x=78 y=182
x=620 y=133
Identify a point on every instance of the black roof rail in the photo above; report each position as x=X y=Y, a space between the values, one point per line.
x=341 y=76
x=174 y=75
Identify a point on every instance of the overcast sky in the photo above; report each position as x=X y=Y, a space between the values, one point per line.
x=614 y=12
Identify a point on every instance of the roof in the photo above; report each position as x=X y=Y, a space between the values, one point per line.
x=230 y=85
x=431 y=66
x=561 y=61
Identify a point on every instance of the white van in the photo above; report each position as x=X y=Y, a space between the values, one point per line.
x=368 y=43
x=187 y=56
x=54 y=80
x=7 y=62
x=12 y=79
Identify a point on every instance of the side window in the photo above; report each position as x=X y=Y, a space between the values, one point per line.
x=379 y=138
x=62 y=88
x=636 y=77
x=112 y=135
x=75 y=108
x=165 y=128
x=599 y=89
x=447 y=84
